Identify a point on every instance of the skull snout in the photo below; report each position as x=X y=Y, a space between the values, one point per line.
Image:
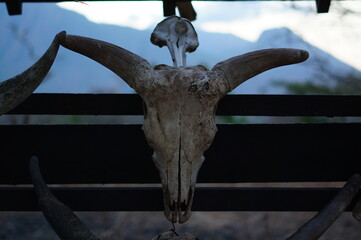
x=175 y=210
x=178 y=178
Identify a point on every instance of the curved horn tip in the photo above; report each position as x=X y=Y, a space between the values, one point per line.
x=34 y=163
x=295 y=55
x=304 y=55
x=60 y=37
x=356 y=212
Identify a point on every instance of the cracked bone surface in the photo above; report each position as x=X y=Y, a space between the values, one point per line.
x=178 y=35
x=180 y=103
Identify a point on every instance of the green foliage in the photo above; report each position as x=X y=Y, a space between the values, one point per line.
x=306 y=88
x=234 y=119
x=334 y=85
x=73 y=119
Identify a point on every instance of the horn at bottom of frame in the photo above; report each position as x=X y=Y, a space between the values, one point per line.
x=314 y=228
x=62 y=219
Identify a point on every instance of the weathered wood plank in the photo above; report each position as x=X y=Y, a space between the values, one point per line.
x=239 y=153
x=150 y=199
x=39 y=1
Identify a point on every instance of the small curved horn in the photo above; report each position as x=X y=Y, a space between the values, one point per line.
x=314 y=228
x=62 y=219
x=133 y=69
x=15 y=90
x=240 y=68
x=356 y=211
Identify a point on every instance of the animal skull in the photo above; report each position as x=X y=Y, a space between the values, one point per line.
x=180 y=102
x=179 y=119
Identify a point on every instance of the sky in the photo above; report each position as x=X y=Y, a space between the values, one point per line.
x=337 y=33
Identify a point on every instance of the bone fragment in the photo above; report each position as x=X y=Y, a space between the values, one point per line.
x=314 y=228
x=15 y=90
x=62 y=219
x=179 y=35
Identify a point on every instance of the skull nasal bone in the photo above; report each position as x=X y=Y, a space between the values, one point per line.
x=181 y=28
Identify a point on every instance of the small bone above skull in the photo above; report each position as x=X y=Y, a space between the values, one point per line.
x=178 y=35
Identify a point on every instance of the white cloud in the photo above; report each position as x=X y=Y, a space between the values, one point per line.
x=251 y=28
x=331 y=32
x=138 y=15
x=339 y=36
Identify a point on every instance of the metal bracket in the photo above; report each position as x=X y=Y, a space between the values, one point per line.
x=14 y=7
x=323 y=6
x=169 y=7
x=185 y=9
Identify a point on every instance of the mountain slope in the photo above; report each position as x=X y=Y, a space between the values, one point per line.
x=24 y=38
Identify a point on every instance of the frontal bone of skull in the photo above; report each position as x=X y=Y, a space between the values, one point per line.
x=178 y=35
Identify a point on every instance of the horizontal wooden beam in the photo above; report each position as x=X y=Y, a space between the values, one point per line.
x=39 y=1
x=150 y=199
x=236 y=105
x=239 y=153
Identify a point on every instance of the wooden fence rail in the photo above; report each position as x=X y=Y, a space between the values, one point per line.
x=241 y=153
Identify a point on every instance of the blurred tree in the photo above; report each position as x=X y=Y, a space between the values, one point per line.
x=334 y=85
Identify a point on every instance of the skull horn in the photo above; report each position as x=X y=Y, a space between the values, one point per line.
x=356 y=212
x=133 y=69
x=15 y=90
x=240 y=68
x=62 y=219
x=313 y=229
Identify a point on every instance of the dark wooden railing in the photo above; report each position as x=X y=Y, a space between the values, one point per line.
x=241 y=153
x=14 y=7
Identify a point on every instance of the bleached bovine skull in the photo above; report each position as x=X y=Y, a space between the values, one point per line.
x=179 y=119
x=180 y=101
